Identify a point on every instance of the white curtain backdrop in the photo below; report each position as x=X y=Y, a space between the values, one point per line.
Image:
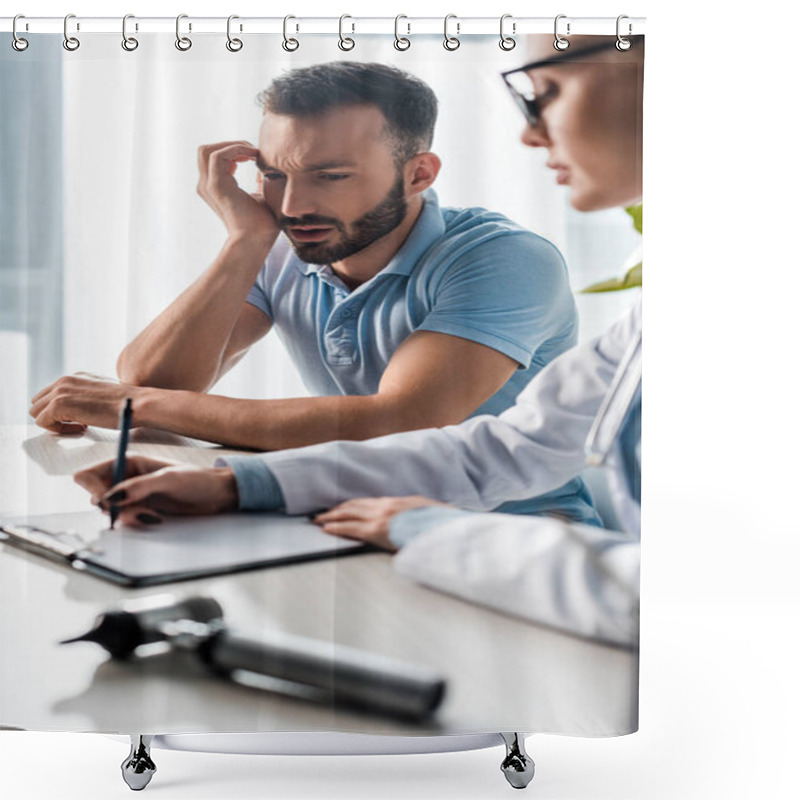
x=136 y=234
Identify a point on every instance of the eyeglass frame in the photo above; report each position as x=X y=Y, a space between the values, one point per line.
x=530 y=108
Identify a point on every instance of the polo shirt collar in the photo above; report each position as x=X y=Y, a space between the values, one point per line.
x=429 y=227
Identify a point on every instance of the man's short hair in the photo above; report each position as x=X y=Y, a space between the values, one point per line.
x=408 y=103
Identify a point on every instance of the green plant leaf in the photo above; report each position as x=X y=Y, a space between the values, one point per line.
x=631 y=279
x=635 y=213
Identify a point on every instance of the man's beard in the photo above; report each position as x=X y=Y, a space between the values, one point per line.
x=373 y=225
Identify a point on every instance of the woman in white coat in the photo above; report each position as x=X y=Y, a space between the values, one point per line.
x=429 y=493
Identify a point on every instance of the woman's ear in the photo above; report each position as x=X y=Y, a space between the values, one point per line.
x=421 y=172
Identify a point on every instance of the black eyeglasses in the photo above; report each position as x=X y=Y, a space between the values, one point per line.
x=521 y=88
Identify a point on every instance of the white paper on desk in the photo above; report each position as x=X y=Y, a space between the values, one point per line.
x=187 y=547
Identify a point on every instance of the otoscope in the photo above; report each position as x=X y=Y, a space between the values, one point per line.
x=343 y=673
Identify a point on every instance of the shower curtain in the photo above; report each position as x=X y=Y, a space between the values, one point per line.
x=103 y=228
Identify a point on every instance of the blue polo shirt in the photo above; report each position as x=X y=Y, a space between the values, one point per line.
x=466 y=272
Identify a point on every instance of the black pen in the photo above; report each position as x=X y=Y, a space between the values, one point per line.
x=125 y=417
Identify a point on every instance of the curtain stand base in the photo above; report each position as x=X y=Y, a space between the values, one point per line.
x=138 y=768
x=517 y=766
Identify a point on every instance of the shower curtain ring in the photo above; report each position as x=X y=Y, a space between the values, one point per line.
x=233 y=44
x=70 y=42
x=345 y=42
x=506 y=42
x=289 y=44
x=451 y=42
x=401 y=42
x=623 y=43
x=18 y=43
x=560 y=43
x=129 y=43
x=183 y=43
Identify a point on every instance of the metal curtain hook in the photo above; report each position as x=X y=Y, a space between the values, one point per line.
x=401 y=42
x=451 y=42
x=345 y=42
x=18 y=43
x=183 y=43
x=506 y=42
x=70 y=42
x=129 y=43
x=289 y=44
x=623 y=43
x=560 y=43
x=234 y=45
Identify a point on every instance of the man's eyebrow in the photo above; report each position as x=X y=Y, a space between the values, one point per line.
x=328 y=165
x=263 y=166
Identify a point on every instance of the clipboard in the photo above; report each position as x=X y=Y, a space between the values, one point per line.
x=179 y=549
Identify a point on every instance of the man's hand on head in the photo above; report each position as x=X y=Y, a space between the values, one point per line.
x=75 y=401
x=245 y=215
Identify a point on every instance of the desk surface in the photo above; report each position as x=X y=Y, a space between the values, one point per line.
x=502 y=673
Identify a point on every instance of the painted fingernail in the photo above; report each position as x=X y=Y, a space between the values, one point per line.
x=148 y=519
x=117 y=497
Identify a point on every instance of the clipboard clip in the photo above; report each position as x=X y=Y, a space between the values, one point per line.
x=47 y=543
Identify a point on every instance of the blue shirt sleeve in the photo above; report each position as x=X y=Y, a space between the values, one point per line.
x=257 y=296
x=257 y=487
x=408 y=524
x=262 y=292
x=510 y=292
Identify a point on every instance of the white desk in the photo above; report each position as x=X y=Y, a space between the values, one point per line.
x=502 y=673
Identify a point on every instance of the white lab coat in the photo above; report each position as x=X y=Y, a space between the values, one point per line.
x=578 y=578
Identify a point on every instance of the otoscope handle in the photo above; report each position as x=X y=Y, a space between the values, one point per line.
x=348 y=674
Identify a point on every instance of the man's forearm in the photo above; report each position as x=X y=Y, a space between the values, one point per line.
x=531 y=449
x=183 y=347
x=274 y=424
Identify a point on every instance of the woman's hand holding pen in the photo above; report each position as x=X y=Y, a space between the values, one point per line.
x=154 y=488
x=245 y=215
